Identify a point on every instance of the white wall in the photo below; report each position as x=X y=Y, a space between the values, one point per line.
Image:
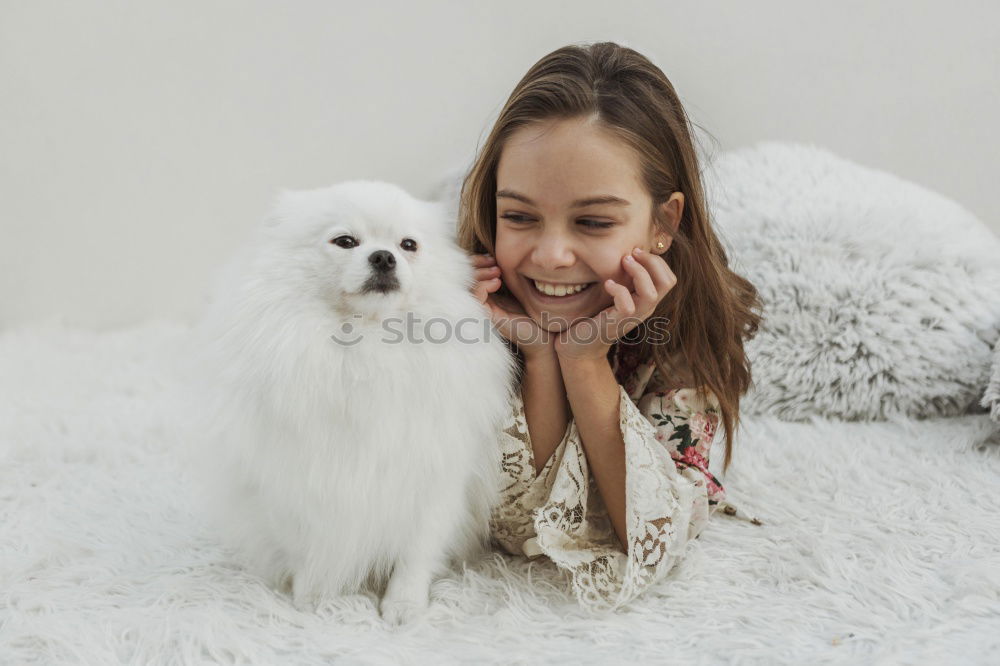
x=139 y=141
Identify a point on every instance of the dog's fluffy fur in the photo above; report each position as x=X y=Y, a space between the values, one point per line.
x=338 y=466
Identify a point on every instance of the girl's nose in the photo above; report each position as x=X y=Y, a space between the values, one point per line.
x=553 y=251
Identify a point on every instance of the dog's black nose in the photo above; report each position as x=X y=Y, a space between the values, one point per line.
x=382 y=260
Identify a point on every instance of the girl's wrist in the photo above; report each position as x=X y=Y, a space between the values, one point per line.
x=539 y=353
x=544 y=355
x=569 y=348
x=583 y=366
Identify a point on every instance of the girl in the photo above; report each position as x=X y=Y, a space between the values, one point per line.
x=594 y=253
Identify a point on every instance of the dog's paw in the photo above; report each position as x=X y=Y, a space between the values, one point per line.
x=398 y=612
x=305 y=604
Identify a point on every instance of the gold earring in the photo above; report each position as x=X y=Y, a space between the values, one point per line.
x=659 y=246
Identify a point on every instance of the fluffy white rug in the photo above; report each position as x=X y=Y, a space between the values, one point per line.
x=881 y=542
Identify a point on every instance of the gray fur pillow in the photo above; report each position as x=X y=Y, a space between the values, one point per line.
x=991 y=398
x=882 y=298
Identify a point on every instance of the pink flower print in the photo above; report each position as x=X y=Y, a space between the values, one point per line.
x=692 y=457
x=715 y=491
x=703 y=425
x=708 y=434
x=697 y=423
x=711 y=423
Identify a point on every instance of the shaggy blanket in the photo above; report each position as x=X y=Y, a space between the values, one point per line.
x=991 y=397
x=881 y=542
x=881 y=296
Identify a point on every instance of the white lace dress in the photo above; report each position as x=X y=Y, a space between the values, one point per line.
x=670 y=494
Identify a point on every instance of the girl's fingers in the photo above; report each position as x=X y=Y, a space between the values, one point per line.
x=487 y=273
x=481 y=260
x=484 y=288
x=651 y=278
x=663 y=278
x=645 y=291
x=502 y=313
x=623 y=297
x=612 y=323
x=505 y=322
x=515 y=326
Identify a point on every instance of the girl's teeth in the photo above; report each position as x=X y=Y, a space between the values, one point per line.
x=559 y=290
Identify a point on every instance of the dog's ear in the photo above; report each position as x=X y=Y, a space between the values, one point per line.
x=281 y=205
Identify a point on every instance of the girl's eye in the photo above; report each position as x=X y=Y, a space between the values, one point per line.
x=409 y=245
x=514 y=217
x=346 y=242
x=592 y=224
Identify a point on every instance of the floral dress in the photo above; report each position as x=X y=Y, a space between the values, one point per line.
x=670 y=494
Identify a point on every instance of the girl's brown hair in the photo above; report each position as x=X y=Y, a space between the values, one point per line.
x=711 y=309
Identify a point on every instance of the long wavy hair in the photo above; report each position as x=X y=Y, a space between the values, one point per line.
x=711 y=310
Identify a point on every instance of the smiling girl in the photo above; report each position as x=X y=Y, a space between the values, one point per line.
x=595 y=255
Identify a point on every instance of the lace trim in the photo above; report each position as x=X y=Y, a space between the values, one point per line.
x=670 y=496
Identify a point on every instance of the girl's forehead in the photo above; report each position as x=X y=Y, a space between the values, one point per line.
x=566 y=166
x=564 y=135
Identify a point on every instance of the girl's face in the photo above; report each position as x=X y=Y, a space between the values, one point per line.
x=552 y=228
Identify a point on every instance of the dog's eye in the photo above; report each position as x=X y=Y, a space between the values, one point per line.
x=409 y=245
x=346 y=242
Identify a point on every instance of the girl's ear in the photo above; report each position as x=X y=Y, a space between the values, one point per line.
x=672 y=209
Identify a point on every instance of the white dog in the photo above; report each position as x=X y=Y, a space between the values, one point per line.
x=356 y=393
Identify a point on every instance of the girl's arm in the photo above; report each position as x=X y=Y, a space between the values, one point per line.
x=546 y=409
x=593 y=395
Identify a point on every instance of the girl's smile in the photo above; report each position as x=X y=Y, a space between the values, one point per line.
x=559 y=292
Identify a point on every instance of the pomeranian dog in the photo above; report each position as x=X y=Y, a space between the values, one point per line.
x=355 y=391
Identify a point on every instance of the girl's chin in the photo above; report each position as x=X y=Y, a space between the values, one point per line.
x=554 y=322
x=556 y=326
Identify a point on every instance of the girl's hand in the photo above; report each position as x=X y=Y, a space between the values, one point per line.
x=507 y=314
x=592 y=338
